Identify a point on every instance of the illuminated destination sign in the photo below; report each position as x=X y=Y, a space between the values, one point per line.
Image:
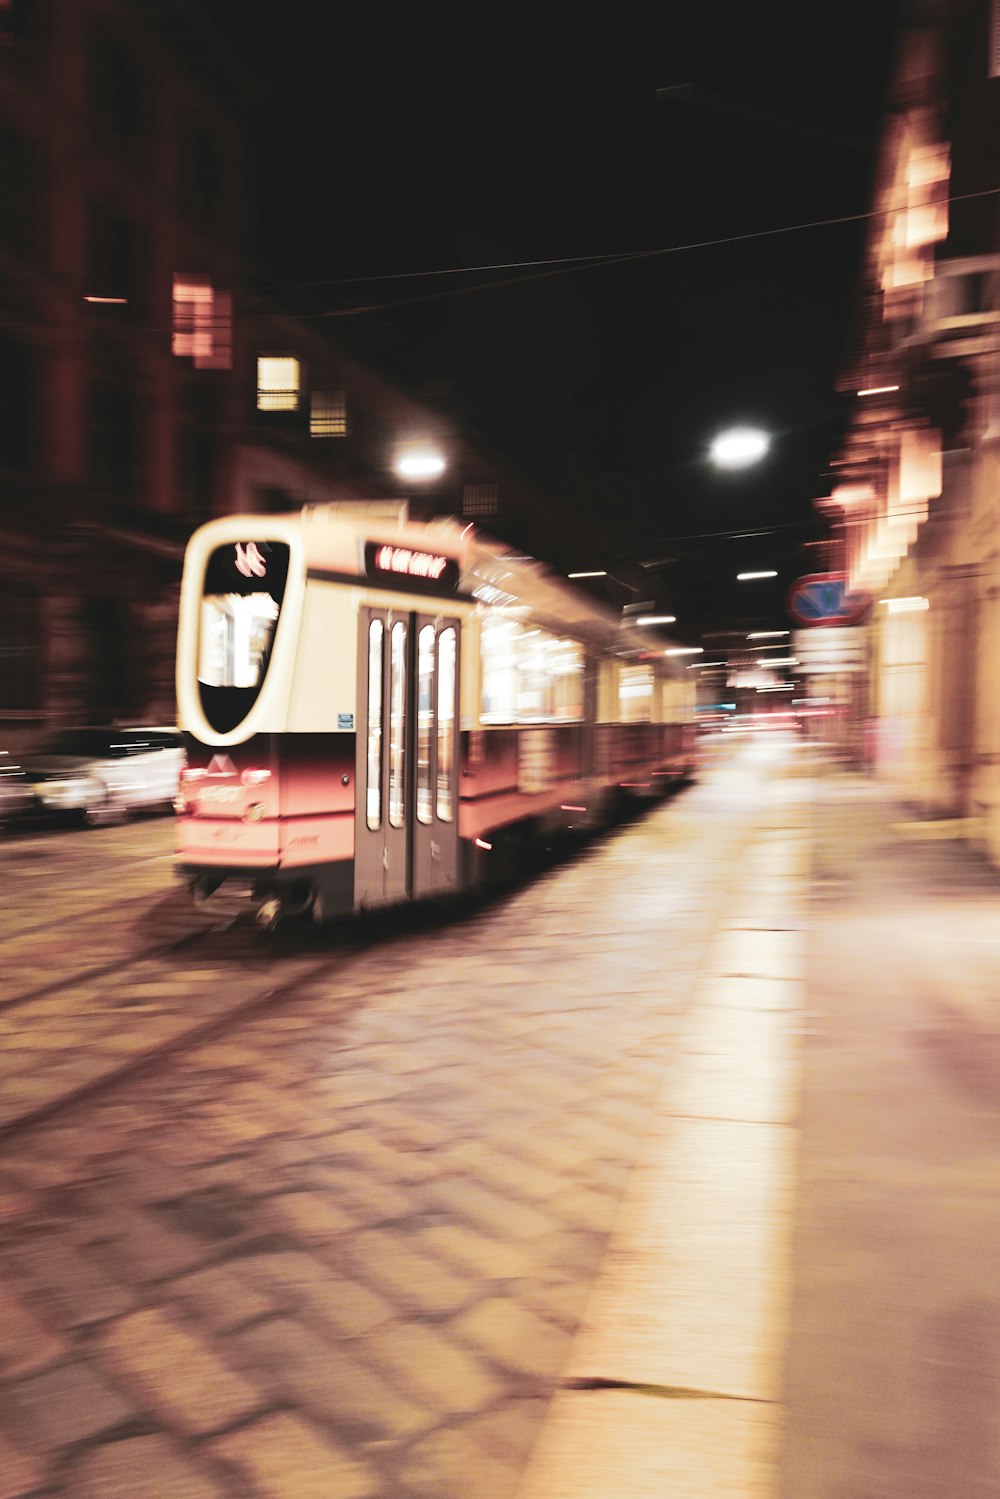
x=385 y=560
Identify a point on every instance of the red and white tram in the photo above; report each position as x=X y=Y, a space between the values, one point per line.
x=372 y=707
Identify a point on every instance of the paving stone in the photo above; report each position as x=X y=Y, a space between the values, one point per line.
x=515 y=1336
x=489 y=1259
x=20 y=1474
x=488 y=1210
x=177 y=1374
x=444 y=1375
x=511 y=1173
x=449 y=1463
x=412 y=1281
x=138 y=1246
x=25 y=1342
x=284 y=1459
x=74 y=1288
x=221 y=1298
x=313 y=1217
x=140 y=1468
x=345 y=1305
x=71 y=1403
x=509 y=1429
x=579 y=1207
x=291 y=1361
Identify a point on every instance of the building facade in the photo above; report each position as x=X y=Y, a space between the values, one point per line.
x=916 y=497
x=144 y=385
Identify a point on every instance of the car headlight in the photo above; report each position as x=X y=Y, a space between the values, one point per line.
x=65 y=791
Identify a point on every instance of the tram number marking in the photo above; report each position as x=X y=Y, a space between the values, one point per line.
x=220 y=793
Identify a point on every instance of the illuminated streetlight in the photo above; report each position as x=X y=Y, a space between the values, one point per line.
x=739 y=447
x=765 y=634
x=419 y=463
x=685 y=650
x=655 y=619
x=587 y=575
x=748 y=577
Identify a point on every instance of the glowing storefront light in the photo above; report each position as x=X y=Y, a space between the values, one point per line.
x=905 y=605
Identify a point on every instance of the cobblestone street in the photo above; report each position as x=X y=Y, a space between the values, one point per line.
x=340 y=1248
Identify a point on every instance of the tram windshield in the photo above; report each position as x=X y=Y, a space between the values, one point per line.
x=240 y=606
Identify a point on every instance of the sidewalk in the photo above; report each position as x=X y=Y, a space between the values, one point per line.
x=843 y=1077
x=674 y=1383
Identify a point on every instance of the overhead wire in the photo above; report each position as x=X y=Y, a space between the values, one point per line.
x=560 y=266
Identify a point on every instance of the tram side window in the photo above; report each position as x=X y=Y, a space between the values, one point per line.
x=425 y=721
x=635 y=694
x=397 y=723
x=376 y=632
x=534 y=683
x=498 y=653
x=566 y=665
x=447 y=651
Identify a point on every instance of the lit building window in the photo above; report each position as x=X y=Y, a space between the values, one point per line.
x=479 y=499
x=328 y=414
x=277 y=383
x=202 y=323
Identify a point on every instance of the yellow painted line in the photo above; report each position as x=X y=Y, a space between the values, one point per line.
x=674 y=1382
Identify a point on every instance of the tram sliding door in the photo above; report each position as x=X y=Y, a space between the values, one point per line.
x=406 y=818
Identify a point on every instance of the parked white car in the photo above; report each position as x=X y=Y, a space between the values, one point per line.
x=105 y=773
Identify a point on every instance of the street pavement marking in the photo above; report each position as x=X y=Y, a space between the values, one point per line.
x=674 y=1382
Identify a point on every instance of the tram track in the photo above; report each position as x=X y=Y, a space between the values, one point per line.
x=116 y=966
x=149 y=1061
x=157 y=1031
x=352 y=940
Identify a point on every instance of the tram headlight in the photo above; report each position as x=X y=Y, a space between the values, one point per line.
x=254 y=812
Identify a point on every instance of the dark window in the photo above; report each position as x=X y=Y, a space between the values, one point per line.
x=18 y=404
x=19 y=650
x=195 y=469
x=24 y=28
x=113 y=257
x=480 y=499
x=112 y=434
x=115 y=91
x=20 y=206
x=198 y=176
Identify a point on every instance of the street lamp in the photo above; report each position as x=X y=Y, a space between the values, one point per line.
x=419 y=461
x=739 y=447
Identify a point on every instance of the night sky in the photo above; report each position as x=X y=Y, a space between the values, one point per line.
x=384 y=147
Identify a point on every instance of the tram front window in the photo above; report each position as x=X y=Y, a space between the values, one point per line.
x=236 y=634
x=243 y=590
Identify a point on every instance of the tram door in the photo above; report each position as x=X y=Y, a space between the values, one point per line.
x=406 y=808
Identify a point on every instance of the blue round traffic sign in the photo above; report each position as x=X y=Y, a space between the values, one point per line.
x=825 y=599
